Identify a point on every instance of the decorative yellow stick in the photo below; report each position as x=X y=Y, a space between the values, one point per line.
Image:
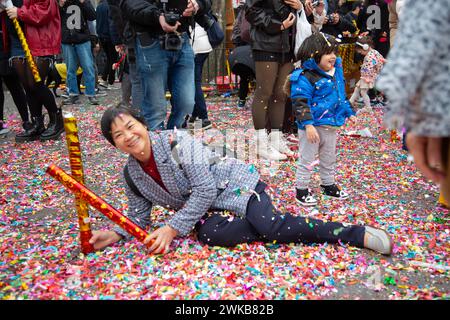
x=28 y=56
x=76 y=166
x=23 y=41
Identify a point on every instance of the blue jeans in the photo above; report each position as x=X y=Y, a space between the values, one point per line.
x=79 y=54
x=137 y=96
x=160 y=69
x=200 y=110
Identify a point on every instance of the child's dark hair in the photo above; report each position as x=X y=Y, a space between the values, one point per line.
x=316 y=46
x=112 y=113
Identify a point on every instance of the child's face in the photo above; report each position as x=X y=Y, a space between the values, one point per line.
x=327 y=62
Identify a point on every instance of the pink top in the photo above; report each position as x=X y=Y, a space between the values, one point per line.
x=371 y=67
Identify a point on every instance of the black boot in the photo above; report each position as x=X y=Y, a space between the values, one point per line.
x=55 y=126
x=32 y=133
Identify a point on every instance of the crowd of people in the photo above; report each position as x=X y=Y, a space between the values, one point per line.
x=288 y=48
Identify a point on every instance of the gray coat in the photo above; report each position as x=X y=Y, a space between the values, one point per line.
x=416 y=77
x=196 y=178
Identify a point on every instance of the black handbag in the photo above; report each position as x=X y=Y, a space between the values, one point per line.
x=215 y=32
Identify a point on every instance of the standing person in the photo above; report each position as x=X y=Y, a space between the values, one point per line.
x=394 y=7
x=108 y=38
x=416 y=82
x=42 y=28
x=76 y=45
x=127 y=47
x=241 y=59
x=242 y=64
x=319 y=100
x=178 y=172
x=9 y=76
x=202 y=48
x=271 y=21
x=164 y=55
x=370 y=69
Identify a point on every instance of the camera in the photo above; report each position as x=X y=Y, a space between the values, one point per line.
x=315 y=3
x=171 y=42
x=173 y=11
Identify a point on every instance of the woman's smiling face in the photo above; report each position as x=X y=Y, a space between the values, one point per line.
x=130 y=136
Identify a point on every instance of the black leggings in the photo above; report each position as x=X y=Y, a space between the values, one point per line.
x=17 y=93
x=39 y=93
x=269 y=97
x=264 y=223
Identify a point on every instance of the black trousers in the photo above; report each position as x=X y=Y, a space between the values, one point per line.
x=264 y=223
x=108 y=73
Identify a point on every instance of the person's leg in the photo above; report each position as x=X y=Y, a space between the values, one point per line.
x=151 y=66
x=137 y=95
x=327 y=155
x=112 y=58
x=108 y=64
x=307 y=155
x=272 y=225
x=366 y=99
x=126 y=89
x=217 y=230
x=71 y=60
x=181 y=84
x=18 y=94
x=277 y=102
x=42 y=91
x=355 y=95
x=265 y=81
x=24 y=74
x=86 y=60
x=200 y=109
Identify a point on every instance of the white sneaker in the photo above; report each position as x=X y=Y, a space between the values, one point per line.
x=4 y=131
x=378 y=240
x=264 y=149
x=278 y=142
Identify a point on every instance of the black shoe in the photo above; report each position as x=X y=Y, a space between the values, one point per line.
x=71 y=100
x=55 y=127
x=27 y=125
x=34 y=132
x=187 y=119
x=93 y=101
x=306 y=198
x=203 y=124
x=206 y=124
x=241 y=104
x=334 y=191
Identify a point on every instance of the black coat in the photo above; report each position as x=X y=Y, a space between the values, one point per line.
x=81 y=34
x=266 y=18
x=143 y=16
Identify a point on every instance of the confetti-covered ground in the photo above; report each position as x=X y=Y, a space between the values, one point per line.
x=39 y=248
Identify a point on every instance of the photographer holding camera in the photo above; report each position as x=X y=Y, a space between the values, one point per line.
x=164 y=55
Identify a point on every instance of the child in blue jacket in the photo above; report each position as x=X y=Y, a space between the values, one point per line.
x=321 y=107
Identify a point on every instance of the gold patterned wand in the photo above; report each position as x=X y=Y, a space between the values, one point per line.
x=24 y=43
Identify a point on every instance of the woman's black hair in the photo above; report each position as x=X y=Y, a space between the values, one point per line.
x=112 y=113
x=315 y=46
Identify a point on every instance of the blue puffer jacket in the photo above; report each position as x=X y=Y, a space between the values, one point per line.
x=318 y=98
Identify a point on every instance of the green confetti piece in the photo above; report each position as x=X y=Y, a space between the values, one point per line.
x=337 y=231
